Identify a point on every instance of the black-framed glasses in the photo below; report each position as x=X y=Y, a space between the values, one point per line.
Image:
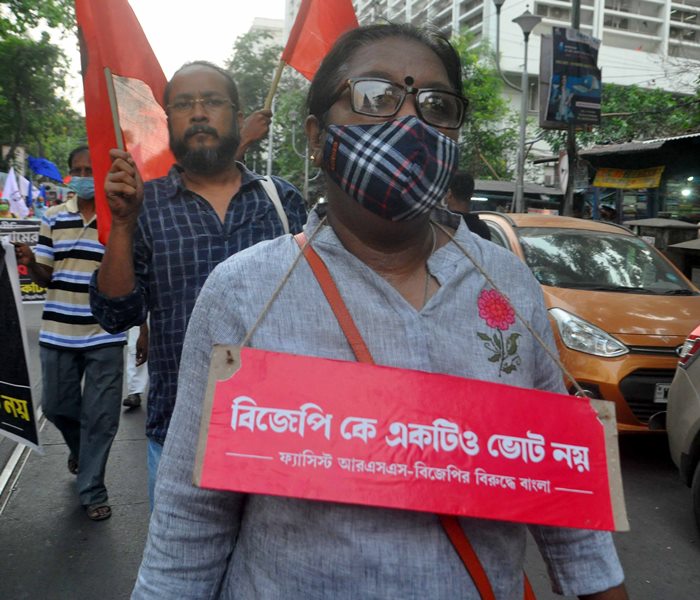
x=210 y=104
x=376 y=97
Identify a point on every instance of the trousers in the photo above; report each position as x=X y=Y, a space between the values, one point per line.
x=136 y=377
x=86 y=414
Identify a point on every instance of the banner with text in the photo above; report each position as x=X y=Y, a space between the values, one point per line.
x=570 y=80
x=17 y=416
x=628 y=179
x=342 y=431
x=25 y=231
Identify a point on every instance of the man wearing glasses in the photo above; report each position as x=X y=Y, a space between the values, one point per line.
x=169 y=234
x=81 y=364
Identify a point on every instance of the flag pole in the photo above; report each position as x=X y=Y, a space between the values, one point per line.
x=275 y=83
x=114 y=108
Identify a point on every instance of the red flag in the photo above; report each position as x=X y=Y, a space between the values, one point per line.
x=318 y=25
x=111 y=37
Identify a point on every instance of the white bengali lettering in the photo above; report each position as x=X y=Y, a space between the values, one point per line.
x=358 y=428
x=529 y=448
x=573 y=456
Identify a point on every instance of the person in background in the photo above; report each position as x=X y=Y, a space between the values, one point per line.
x=459 y=200
x=168 y=235
x=418 y=302
x=608 y=213
x=136 y=368
x=81 y=364
x=5 y=210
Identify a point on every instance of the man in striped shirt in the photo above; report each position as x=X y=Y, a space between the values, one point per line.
x=73 y=345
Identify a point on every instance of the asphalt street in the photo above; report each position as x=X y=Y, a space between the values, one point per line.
x=50 y=550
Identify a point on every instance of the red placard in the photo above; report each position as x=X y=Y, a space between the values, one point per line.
x=341 y=431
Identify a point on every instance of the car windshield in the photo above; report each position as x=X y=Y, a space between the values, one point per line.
x=601 y=261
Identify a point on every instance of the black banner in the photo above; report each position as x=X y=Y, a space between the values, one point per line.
x=17 y=417
x=27 y=232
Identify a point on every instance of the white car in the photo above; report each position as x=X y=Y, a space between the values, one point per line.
x=683 y=418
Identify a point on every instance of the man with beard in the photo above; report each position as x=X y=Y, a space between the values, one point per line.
x=169 y=234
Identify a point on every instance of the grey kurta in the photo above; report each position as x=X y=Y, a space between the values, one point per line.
x=205 y=544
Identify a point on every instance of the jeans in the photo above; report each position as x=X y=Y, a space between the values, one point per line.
x=154 y=451
x=87 y=415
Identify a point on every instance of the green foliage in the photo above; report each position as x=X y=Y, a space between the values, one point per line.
x=253 y=65
x=31 y=112
x=635 y=113
x=19 y=16
x=489 y=135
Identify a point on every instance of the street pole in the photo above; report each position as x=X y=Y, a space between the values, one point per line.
x=520 y=176
x=303 y=155
x=527 y=22
x=568 y=208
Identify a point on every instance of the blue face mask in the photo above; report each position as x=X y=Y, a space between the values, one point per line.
x=84 y=187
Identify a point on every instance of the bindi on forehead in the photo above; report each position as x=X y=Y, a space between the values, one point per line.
x=396 y=59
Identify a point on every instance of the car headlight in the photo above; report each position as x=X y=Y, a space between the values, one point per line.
x=580 y=335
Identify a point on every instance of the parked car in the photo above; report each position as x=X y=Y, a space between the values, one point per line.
x=619 y=309
x=683 y=418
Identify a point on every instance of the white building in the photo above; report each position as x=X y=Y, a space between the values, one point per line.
x=652 y=43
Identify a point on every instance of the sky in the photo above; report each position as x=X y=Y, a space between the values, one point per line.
x=180 y=31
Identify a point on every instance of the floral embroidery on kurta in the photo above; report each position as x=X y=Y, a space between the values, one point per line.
x=499 y=315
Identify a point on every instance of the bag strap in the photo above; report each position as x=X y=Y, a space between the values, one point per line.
x=271 y=190
x=450 y=524
x=335 y=300
x=466 y=552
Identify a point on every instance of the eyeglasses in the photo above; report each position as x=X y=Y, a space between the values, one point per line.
x=80 y=172
x=382 y=98
x=210 y=104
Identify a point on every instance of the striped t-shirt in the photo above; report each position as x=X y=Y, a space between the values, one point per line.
x=70 y=247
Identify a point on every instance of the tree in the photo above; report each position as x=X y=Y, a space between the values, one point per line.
x=31 y=112
x=489 y=135
x=252 y=65
x=19 y=16
x=32 y=75
x=635 y=113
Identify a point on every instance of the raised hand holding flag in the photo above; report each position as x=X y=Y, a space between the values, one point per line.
x=318 y=24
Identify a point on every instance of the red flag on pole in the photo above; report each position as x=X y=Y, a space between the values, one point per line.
x=111 y=38
x=318 y=25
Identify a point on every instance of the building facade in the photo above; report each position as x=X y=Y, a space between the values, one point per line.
x=652 y=43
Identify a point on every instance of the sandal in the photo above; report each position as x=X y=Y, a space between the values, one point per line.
x=73 y=464
x=98 y=512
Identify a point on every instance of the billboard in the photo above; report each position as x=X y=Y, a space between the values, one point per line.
x=570 y=80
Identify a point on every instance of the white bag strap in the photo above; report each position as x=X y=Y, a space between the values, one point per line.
x=271 y=190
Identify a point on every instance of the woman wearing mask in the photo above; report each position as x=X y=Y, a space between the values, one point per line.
x=385 y=109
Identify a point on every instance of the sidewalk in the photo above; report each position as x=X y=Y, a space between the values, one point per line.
x=49 y=549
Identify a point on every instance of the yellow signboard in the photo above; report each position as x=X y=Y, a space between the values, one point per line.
x=628 y=179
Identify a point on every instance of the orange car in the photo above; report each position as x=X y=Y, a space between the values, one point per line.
x=619 y=309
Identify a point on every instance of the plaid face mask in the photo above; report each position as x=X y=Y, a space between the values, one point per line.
x=398 y=169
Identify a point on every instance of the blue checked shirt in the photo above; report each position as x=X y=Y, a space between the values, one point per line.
x=178 y=242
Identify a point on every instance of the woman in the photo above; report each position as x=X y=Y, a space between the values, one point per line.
x=385 y=109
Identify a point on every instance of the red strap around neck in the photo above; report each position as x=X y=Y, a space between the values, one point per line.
x=450 y=524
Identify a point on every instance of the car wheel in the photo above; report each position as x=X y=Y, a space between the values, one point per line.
x=696 y=494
